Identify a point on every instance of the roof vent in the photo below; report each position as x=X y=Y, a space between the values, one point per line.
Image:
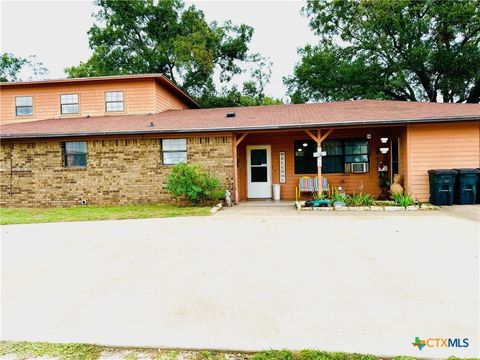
x=151 y=124
x=230 y=114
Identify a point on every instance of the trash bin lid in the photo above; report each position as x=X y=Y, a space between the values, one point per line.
x=442 y=171
x=467 y=171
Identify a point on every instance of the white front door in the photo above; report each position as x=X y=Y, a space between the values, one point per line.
x=259 y=172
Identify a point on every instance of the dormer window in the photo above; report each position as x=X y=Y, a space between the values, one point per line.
x=114 y=101
x=23 y=105
x=69 y=104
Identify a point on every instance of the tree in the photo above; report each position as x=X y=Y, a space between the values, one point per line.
x=10 y=66
x=260 y=73
x=37 y=68
x=414 y=50
x=149 y=36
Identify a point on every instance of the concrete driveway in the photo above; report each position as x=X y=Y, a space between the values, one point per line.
x=367 y=283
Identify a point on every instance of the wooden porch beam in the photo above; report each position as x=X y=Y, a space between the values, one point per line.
x=309 y=133
x=324 y=136
x=239 y=140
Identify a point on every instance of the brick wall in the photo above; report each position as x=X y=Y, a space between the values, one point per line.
x=119 y=171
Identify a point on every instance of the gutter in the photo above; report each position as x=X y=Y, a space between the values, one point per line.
x=244 y=128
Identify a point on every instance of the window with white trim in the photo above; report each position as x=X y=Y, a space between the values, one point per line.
x=23 y=105
x=174 y=151
x=69 y=104
x=114 y=101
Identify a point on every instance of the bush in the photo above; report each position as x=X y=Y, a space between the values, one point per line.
x=195 y=184
x=360 y=200
x=403 y=199
x=337 y=196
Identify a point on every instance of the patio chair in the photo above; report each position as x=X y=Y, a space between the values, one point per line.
x=308 y=184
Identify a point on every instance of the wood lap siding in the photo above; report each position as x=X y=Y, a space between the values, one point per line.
x=440 y=146
x=164 y=100
x=141 y=96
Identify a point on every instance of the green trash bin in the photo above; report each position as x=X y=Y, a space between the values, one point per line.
x=466 y=186
x=442 y=183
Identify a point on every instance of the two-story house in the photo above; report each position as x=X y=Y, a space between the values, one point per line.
x=113 y=140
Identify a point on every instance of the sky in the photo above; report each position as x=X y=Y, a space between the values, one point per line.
x=56 y=31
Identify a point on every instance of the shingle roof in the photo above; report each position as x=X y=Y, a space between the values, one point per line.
x=334 y=114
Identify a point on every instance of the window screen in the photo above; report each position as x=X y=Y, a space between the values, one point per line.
x=23 y=105
x=69 y=104
x=174 y=151
x=114 y=101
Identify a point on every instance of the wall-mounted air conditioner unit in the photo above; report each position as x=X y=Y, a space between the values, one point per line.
x=359 y=167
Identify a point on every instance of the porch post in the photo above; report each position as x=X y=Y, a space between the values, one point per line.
x=318 y=139
x=319 y=164
x=235 y=167
x=235 y=144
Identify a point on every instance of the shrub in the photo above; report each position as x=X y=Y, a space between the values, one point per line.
x=195 y=184
x=317 y=195
x=403 y=199
x=360 y=200
x=337 y=196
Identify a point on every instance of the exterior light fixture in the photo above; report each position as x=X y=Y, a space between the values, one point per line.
x=384 y=150
x=305 y=144
x=384 y=140
x=369 y=136
x=300 y=149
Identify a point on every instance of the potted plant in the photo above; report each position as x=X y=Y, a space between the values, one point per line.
x=384 y=183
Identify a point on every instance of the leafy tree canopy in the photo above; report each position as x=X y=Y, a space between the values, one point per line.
x=147 y=36
x=11 y=65
x=415 y=50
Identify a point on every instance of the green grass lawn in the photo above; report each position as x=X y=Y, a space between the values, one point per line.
x=24 y=349
x=89 y=213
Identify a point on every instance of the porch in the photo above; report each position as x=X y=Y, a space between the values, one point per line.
x=353 y=158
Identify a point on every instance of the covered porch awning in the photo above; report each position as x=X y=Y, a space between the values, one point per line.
x=285 y=156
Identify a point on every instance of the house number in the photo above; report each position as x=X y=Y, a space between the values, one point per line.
x=282 y=167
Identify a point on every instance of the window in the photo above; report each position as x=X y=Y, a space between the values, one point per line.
x=334 y=161
x=174 y=151
x=356 y=151
x=305 y=162
x=69 y=104
x=114 y=101
x=340 y=154
x=75 y=154
x=23 y=105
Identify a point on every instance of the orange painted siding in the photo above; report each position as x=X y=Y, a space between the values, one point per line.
x=164 y=100
x=440 y=146
x=141 y=96
x=285 y=142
